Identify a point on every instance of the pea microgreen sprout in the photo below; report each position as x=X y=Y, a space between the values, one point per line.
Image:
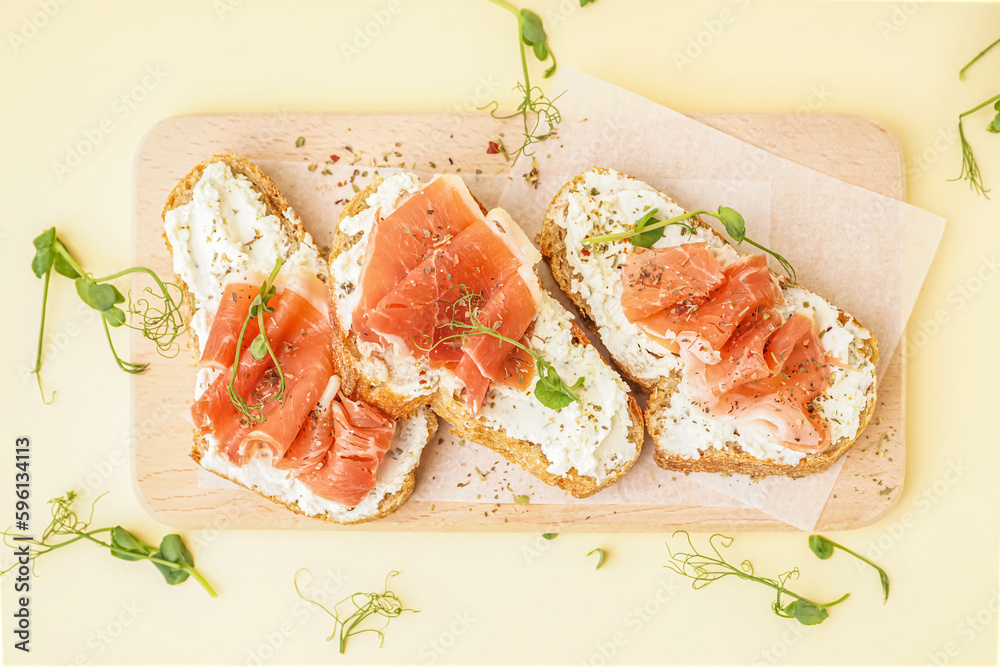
x=600 y=557
x=648 y=230
x=386 y=604
x=705 y=569
x=539 y=114
x=970 y=168
x=259 y=348
x=550 y=389
x=171 y=558
x=823 y=548
x=157 y=312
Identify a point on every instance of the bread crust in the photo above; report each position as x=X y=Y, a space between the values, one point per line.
x=526 y=454
x=277 y=205
x=730 y=458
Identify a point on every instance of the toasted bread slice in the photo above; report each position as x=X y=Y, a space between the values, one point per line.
x=601 y=201
x=396 y=381
x=201 y=285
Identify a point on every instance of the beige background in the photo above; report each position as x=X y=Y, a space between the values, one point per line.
x=110 y=70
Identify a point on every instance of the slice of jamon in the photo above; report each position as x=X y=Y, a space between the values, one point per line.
x=306 y=360
x=220 y=348
x=348 y=472
x=704 y=326
x=517 y=370
x=316 y=435
x=417 y=312
x=300 y=300
x=742 y=358
x=654 y=279
x=408 y=236
x=784 y=401
x=510 y=311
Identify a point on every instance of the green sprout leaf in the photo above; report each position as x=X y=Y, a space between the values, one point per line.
x=994 y=125
x=806 y=613
x=63 y=267
x=258 y=348
x=733 y=222
x=600 y=557
x=115 y=316
x=822 y=547
x=173 y=550
x=41 y=263
x=532 y=31
x=550 y=536
x=99 y=296
x=125 y=545
x=550 y=389
x=646 y=239
x=584 y=3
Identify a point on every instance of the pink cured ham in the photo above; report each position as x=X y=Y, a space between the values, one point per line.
x=347 y=468
x=654 y=279
x=408 y=236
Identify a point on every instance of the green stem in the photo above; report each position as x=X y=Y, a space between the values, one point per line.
x=975 y=109
x=238 y=401
x=524 y=59
x=127 y=366
x=62 y=250
x=41 y=339
x=883 y=576
x=607 y=238
x=961 y=72
x=187 y=568
x=781 y=589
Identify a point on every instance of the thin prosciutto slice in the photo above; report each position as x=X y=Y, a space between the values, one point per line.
x=220 y=347
x=341 y=464
x=654 y=279
x=408 y=236
x=787 y=375
x=423 y=259
x=704 y=325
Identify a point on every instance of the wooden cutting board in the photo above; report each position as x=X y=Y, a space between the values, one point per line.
x=851 y=148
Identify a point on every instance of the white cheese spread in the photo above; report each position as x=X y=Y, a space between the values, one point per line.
x=225 y=230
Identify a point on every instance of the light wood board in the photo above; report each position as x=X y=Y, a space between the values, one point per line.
x=854 y=149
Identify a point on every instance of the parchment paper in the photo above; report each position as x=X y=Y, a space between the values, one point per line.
x=814 y=220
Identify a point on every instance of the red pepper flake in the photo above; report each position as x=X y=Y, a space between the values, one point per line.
x=493 y=148
x=585 y=252
x=334 y=158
